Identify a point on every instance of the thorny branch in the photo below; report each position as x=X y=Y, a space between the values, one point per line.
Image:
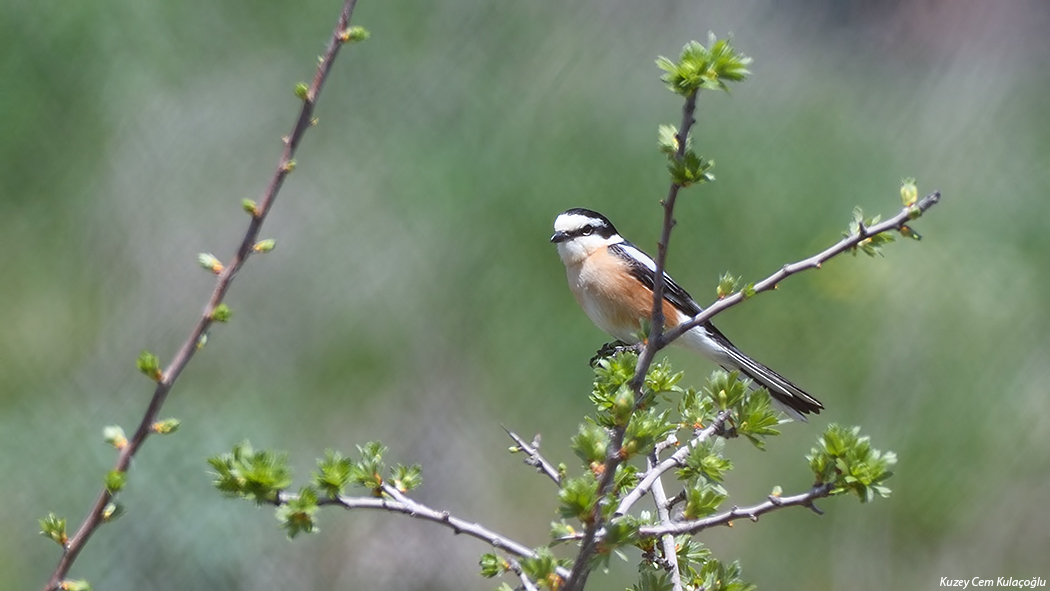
x=76 y=543
x=394 y=501
x=580 y=570
x=533 y=457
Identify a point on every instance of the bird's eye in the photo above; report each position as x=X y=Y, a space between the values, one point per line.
x=587 y=230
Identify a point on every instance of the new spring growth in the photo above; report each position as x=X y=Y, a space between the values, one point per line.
x=149 y=365
x=165 y=427
x=112 y=511
x=114 y=436
x=264 y=246
x=209 y=262
x=221 y=313
x=354 y=34
x=726 y=285
x=54 y=527
x=115 y=481
x=78 y=585
x=302 y=91
x=250 y=206
x=909 y=192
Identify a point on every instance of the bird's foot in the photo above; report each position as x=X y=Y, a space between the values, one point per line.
x=610 y=349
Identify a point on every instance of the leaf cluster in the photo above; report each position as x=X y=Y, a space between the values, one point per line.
x=847 y=460
x=704 y=68
x=263 y=476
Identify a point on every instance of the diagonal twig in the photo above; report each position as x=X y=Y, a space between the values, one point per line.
x=397 y=502
x=752 y=513
x=533 y=457
x=814 y=262
x=653 y=473
x=95 y=516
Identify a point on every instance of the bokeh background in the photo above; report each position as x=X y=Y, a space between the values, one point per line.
x=413 y=296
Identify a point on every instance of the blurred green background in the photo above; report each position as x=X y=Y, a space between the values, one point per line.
x=413 y=296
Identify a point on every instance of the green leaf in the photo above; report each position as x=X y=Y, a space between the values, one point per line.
x=542 y=568
x=702 y=499
x=706 y=460
x=333 y=473
x=149 y=365
x=643 y=431
x=368 y=473
x=652 y=579
x=254 y=475
x=717 y=576
x=406 y=478
x=726 y=285
x=591 y=444
x=847 y=460
x=297 y=513
x=578 y=498
x=54 y=527
x=699 y=67
x=492 y=565
x=74 y=585
x=757 y=419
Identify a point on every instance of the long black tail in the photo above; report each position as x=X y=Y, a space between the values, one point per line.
x=790 y=398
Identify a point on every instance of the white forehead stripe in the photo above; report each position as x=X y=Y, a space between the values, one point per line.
x=567 y=222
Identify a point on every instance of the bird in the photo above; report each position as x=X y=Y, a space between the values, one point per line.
x=612 y=280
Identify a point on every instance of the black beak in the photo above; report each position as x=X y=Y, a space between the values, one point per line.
x=559 y=237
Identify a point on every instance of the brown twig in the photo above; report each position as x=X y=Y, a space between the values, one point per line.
x=676 y=459
x=751 y=513
x=580 y=568
x=534 y=458
x=814 y=262
x=166 y=380
x=394 y=501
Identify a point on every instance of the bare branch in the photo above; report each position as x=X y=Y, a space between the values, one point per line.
x=398 y=502
x=667 y=540
x=814 y=262
x=653 y=473
x=526 y=583
x=185 y=353
x=752 y=513
x=580 y=569
x=533 y=457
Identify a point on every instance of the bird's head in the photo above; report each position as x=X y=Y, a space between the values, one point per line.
x=579 y=232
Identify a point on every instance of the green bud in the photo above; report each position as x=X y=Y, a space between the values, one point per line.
x=209 y=262
x=54 y=527
x=165 y=427
x=115 y=481
x=264 y=246
x=149 y=365
x=70 y=585
x=221 y=313
x=114 y=436
x=302 y=91
x=112 y=511
x=354 y=34
x=909 y=192
x=250 y=206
